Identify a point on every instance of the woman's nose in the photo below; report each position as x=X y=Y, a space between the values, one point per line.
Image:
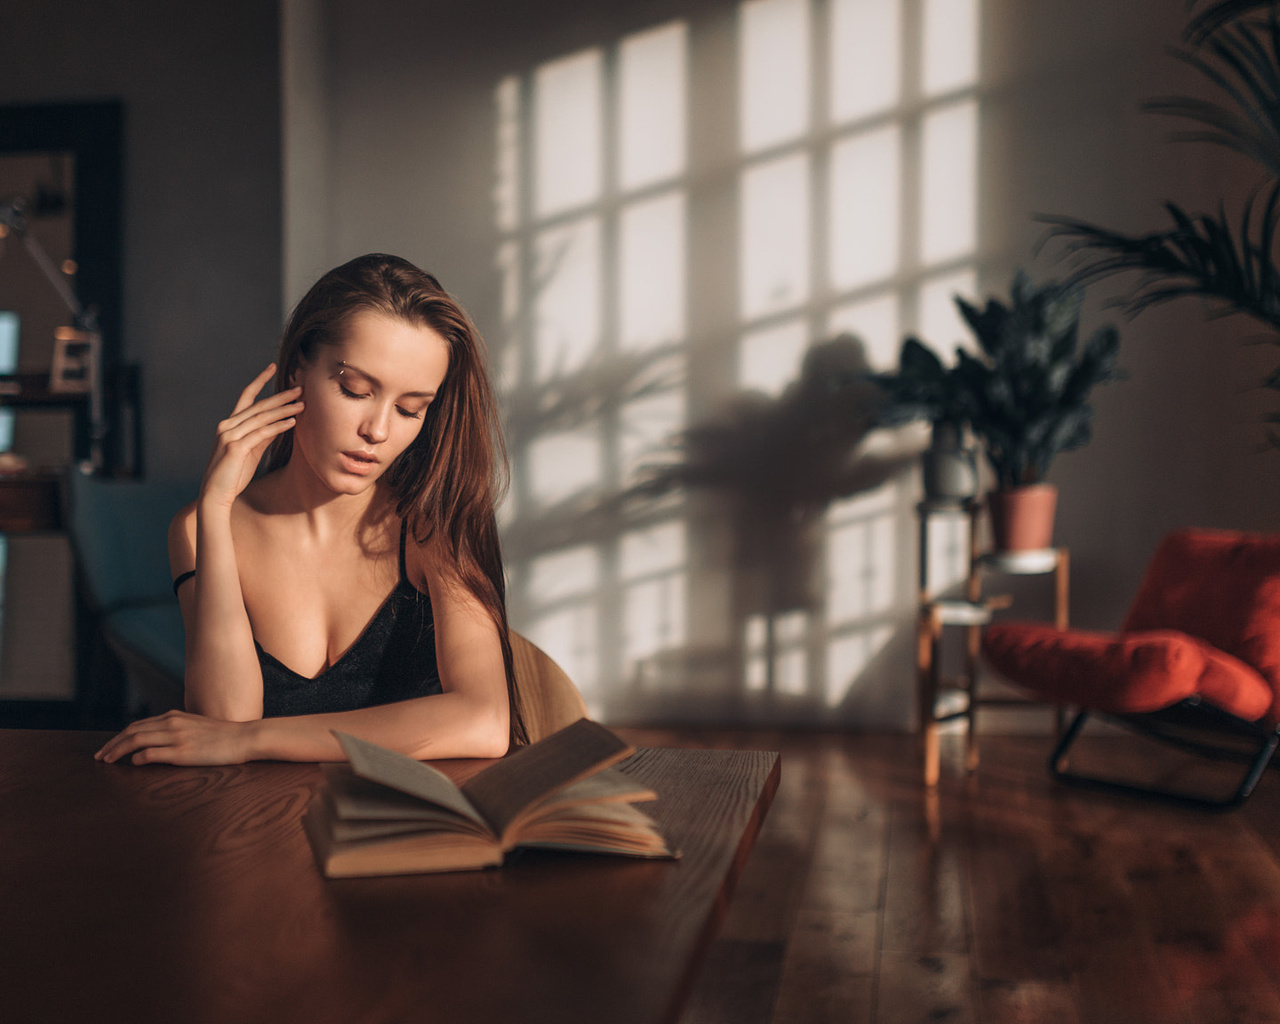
x=374 y=429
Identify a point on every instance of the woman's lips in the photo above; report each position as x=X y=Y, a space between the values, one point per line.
x=360 y=463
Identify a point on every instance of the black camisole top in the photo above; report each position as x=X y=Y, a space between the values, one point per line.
x=393 y=659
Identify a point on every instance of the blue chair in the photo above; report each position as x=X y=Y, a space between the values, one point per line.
x=118 y=534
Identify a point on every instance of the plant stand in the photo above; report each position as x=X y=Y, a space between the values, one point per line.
x=971 y=612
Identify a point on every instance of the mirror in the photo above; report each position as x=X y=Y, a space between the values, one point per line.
x=39 y=185
x=62 y=165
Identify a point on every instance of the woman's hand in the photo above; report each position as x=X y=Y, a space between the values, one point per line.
x=179 y=737
x=243 y=437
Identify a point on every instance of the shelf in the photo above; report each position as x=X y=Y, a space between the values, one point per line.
x=944 y=505
x=945 y=698
x=30 y=502
x=966 y=613
x=31 y=391
x=1021 y=563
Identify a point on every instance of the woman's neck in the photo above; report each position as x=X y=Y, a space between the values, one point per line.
x=293 y=490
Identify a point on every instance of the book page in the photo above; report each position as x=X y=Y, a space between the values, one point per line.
x=602 y=828
x=344 y=830
x=532 y=773
x=403 y=773
x=608 y=785
x=393 y=855
x=352 y=799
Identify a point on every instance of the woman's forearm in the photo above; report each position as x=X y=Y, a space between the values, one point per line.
x=440 y=726
x=223 y=677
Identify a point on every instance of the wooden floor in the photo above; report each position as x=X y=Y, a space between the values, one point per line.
x=1003 y=897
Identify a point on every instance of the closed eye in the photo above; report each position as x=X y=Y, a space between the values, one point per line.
x=409 y=414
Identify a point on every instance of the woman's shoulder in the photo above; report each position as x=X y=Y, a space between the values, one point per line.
x=182 y=539
x=424 y=559
x=183 y=523
x=248 y=508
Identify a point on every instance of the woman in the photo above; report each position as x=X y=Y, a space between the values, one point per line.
x=356 y=584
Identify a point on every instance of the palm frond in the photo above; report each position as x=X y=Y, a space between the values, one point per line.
x=1214 y=17
x=1199 y=255
x=1268 y=282
x=1244 y=62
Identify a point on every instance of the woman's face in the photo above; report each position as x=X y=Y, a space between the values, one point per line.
x=366 y=399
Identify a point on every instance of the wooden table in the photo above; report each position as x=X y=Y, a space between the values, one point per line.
x=190 y=894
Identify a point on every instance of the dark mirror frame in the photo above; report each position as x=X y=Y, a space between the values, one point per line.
x=94 y=134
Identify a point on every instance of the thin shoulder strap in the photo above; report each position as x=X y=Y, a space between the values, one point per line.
x=404 y=533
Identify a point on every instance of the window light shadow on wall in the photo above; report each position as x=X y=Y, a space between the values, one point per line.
x=853 y=174
x=592 y=203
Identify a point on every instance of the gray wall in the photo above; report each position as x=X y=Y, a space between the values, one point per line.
x=1061 y=132
x=201 y=262
x=200 y=85
x=1178 y=443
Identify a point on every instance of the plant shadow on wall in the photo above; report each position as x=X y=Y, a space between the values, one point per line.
x=777 y=464
x=1235 y=46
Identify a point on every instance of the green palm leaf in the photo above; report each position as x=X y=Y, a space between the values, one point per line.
x=1199 y=255
x=1214 y=17
x=1244 y=62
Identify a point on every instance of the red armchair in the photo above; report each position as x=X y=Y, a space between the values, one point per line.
x=1195 y=664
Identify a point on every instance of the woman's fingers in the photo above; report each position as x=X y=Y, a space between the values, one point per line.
x=242 y=440
x=139 y=734
x=177 y=737
x=245 y=448
x=243 y=436
x=232 y=430
x=272 y=405
x=252 y=445
x=251 y=392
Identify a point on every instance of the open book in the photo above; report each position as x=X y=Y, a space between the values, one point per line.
x=387 y=814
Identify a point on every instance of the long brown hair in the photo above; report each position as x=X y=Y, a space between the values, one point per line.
x=448 y=482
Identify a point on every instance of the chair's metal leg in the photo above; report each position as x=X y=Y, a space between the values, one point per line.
x=1256 y=769
x=1058 y=759
x=1257 y=765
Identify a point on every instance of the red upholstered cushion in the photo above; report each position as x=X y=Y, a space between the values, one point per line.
x=1127 y=672
x=1223 y=587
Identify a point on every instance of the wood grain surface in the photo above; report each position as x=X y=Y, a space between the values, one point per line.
x=1003 y=897
x=179 y=894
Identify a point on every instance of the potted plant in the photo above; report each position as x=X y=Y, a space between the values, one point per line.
x=922 y=388
x=1025 y=394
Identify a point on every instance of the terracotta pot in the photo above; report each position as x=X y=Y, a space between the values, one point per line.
x=1022 y=517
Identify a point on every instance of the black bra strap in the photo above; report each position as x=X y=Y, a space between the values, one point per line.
x=182 y=578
